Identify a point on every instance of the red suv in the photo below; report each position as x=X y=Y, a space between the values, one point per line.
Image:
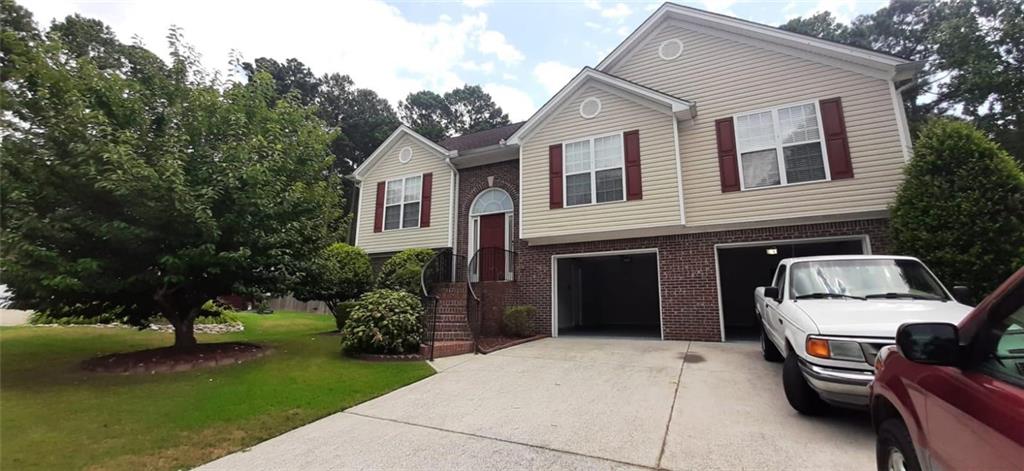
x=950 y=397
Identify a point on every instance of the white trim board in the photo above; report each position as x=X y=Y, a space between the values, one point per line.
x=390 y=142
x=682 y=109
x=864 y=239
x=610 y=253
x=896 y=67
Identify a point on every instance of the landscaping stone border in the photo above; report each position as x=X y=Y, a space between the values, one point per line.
x=511 y=344
x=387 y=357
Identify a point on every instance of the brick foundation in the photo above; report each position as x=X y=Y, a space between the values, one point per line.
x=689 y=288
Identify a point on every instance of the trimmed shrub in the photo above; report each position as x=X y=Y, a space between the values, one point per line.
x=402 y=271
x=342 y=312
x=516 y=321
x=961 y=207
x=384 y=322
x=341 y=273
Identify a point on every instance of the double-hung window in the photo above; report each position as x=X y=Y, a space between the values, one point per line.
x=781 y=146
x=594 y=170
x=402 y=203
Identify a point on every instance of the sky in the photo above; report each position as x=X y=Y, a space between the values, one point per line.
x=521 y=52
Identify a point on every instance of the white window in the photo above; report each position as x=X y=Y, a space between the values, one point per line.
x=402 y=203
x=781 y=146
x=594 y=170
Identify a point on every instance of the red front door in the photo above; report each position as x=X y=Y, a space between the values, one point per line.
x=491 y=257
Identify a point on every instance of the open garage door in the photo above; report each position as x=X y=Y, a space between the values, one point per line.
x=615 y=294
x=744 y=267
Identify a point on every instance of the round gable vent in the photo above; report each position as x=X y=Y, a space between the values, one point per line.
x=405 y=155
x=670 y=49
x=590 y=107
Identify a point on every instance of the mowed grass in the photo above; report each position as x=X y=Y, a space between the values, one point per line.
x=53 y=415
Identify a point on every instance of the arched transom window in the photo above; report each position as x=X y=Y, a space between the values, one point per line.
x=490 y=201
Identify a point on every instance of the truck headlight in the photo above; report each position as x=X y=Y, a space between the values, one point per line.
x=834 y=349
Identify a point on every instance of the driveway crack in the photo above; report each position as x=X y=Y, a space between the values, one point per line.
x=672 y=410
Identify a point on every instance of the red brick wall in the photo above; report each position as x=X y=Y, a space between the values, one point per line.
x=472 y=181
x=689 y=288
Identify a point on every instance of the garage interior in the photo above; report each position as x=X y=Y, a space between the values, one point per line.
x=742 y=269
x=614 y=295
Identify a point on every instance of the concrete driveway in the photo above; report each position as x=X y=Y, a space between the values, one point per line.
x=580 y=403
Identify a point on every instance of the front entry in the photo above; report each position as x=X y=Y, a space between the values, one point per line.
x=492 y=244
x=490 y=236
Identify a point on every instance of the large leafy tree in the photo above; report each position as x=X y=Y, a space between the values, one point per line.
x=973 y=52
x=134 y=183
x=460 y=111
x=428 y=114
x=961 y=207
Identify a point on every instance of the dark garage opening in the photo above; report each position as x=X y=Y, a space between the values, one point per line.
x=609 y=295
x=742 y=269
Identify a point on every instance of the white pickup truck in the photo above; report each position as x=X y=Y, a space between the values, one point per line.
x=827 y=317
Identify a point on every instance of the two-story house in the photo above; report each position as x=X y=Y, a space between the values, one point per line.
x=654 y=191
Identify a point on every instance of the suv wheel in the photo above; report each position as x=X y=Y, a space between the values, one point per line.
x=894 y=450
x=768 y=349
x=799 y=394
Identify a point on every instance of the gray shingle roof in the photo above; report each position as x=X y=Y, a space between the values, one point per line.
x=480 y=139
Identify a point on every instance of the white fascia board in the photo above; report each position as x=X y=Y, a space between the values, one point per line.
x=763 y=32
x=683 y=109
x=385 y=147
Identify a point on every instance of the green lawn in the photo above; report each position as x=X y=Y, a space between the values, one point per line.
x=53 y=415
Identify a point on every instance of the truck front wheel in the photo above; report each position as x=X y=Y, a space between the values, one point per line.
x=800 y=394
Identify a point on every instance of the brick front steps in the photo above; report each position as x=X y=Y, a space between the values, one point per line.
x=448 y=348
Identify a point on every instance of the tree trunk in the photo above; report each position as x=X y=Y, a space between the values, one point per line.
x=184 y=333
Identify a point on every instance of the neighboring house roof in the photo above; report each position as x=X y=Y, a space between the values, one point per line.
x=897 y=68
x=480 y=139
x=390 y=142
x=684 y=109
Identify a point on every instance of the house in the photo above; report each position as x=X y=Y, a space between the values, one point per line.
x=655 y=190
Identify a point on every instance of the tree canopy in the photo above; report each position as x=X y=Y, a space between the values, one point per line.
x=973 y=52
x=133 y=183
x=461 y=111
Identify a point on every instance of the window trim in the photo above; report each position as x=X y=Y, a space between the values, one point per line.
x=401 y=204
x=593 y=170
x=780 y=157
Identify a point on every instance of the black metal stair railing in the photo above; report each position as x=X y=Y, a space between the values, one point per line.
x=444 y=267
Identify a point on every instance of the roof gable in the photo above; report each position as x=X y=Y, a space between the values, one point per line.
x=393 y=140
x=681 y=108
x=861 y=60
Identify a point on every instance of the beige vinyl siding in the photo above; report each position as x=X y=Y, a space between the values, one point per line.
x=726 y=77
x=424 y=160
x=660 y=203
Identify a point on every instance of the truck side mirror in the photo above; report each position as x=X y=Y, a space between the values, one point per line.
x=930 y=343
x=962 y=294
x=772 y=293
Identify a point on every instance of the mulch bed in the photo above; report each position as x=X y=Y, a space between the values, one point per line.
x=169 y=359
x=493 y=344
x=386 y=357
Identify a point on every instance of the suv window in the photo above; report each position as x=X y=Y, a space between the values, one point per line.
x=1002 y=341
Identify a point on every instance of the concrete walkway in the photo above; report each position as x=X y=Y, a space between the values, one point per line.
x=579 y=403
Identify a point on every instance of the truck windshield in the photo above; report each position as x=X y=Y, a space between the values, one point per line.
x=864 y=279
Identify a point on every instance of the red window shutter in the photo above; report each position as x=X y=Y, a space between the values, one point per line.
x=836 y=143
x=728 y=169
x=428 y=186
x=634 y=182
x=378 y=214
x=555 y=176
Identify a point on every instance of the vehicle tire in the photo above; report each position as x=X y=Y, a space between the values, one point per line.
x=800 y=394
x=894 y=450
x=768 y=349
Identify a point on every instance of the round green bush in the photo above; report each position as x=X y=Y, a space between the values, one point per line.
x=341 y=273
x=402 y=271
x=961 y=207
x=384 y=322
x=516 y=321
